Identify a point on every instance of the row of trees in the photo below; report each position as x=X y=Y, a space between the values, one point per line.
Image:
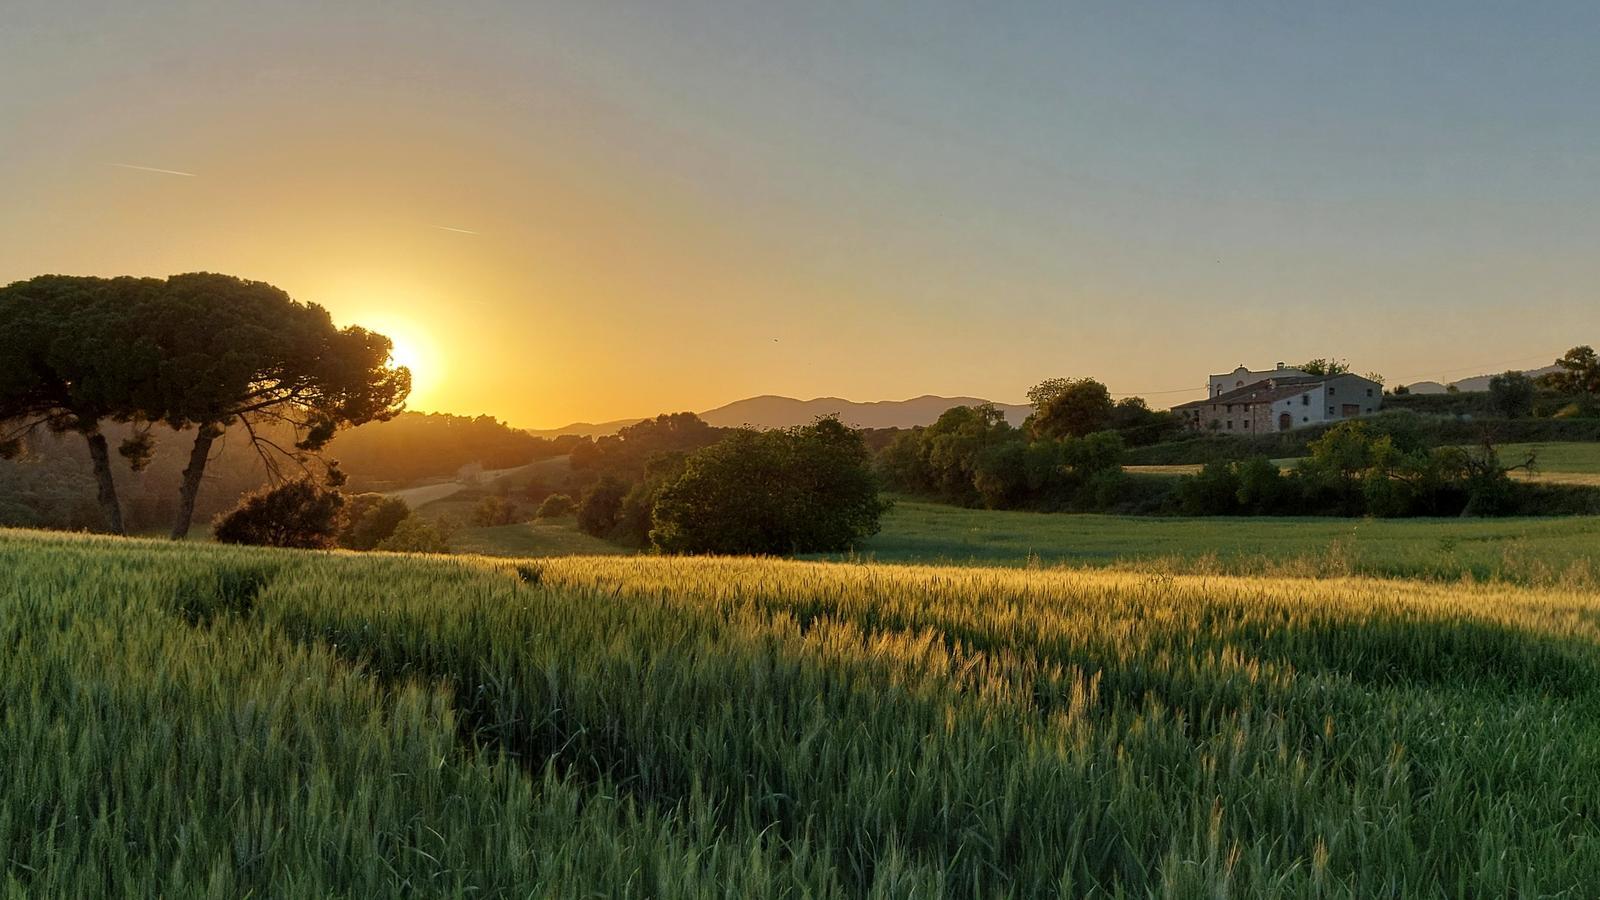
x=972 y=457
x=197 y=352
x=1067 y=454
x=1354 y=470
x=808 y=489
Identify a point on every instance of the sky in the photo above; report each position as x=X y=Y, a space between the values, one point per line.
x=589 y=211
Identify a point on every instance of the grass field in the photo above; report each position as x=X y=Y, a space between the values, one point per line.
x=207 y=721
x=545 y=537
x=1536 y=550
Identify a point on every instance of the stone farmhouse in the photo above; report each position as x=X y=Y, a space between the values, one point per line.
x=1246 y=402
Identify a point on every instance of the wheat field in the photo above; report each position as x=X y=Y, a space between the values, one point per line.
x=225 y=722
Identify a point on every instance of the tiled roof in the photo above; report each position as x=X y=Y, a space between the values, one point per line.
x=1268 y=391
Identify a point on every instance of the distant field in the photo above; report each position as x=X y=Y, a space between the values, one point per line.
x=1524 y=549
x=195 y=720
x=552 y=537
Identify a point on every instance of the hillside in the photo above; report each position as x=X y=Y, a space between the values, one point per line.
x=772 y=411
x=1475 y=383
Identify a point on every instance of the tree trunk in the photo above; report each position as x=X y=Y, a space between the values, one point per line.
x=201 y=452
x=101 y=456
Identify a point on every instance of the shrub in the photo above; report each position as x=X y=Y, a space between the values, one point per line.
x=555 y=506
x=1262 y=491
x=601 y=505
x=1511 y=395
x=297 y=513
x=493 y=511
x=370 y=519
x=414 y=535
x=1213 y=491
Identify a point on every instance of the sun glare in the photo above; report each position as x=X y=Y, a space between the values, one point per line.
x=412 y=349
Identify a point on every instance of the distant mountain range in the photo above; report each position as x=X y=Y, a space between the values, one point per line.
x=781 y=412
x=1475 y=383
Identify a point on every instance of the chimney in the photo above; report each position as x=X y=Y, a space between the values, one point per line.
x=1280 y=365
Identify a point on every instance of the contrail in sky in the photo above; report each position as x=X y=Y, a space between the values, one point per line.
x=456 y=230
x=151 y=169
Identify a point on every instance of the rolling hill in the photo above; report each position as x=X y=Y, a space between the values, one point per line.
x=1475 y=383
x=771 y=411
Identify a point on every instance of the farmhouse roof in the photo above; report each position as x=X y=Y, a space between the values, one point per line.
x=1269 y=391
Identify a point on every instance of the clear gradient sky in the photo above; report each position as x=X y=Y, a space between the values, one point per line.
x=671 y=205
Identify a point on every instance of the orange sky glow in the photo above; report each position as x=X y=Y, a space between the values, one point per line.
x=562 y=213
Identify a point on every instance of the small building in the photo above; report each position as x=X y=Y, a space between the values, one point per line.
x=1282 y=401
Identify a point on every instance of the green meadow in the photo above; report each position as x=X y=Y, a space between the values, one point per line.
x=1523 y=549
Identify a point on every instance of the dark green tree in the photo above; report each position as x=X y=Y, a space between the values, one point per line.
x=370 y=519
x=798 y=490
x=555 y=506
x=237 y=351
x=1141 y=426
x=636 y=517
x=415 y=535
x=601 y=505
x=65 y=366
x=1074 y=409
x=1579 y=372
x=1511 y=395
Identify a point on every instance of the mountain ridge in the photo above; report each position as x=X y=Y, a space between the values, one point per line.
x=777 y=411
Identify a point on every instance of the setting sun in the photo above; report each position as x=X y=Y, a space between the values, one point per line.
x=414 y=350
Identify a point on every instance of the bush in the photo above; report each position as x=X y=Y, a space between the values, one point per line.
x=494 y=511
x=1263 y=491
x=370 y=519
x=1511 y=395
x=1213 y=491
x=414 y=535
x=797 y=490
x=601 y=505
x=294 y=514
x=555 y=506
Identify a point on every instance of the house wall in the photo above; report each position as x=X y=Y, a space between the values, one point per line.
x=1317 y=404
x=1366 y=394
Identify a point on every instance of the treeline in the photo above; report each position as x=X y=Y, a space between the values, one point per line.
x=414 y=446
x=1071 y=453
x=1356 y=470
x=1068 y=455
